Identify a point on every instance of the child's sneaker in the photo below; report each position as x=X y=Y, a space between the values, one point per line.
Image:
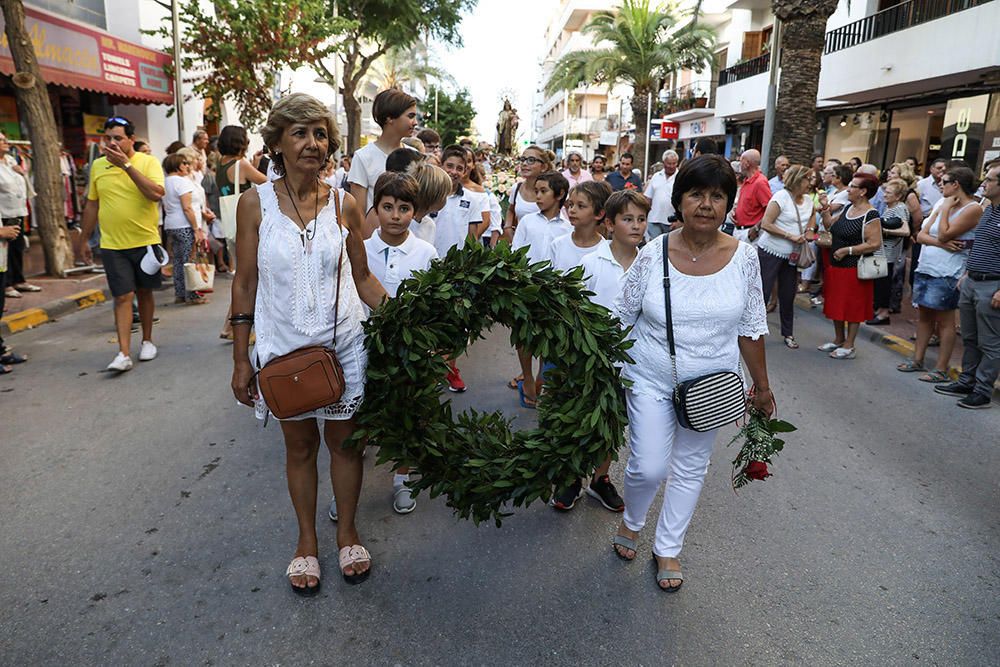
x=566 y=499
x=606 y=493
x=455 y=383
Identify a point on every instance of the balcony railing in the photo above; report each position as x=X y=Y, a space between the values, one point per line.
x=894 y=19
x=745 y=69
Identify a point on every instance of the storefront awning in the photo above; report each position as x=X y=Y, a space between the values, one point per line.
x=81 y=56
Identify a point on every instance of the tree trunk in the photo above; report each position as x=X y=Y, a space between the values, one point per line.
x=33 y=98
x=803 y=34
x=352 y=109
x=639 y=103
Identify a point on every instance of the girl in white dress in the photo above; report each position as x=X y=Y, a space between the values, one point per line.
x=290 y=244
x=718 y=314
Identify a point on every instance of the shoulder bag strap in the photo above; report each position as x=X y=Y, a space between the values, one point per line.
x=666 y=304
x=340 y=264
x=236 y=177
x=798 y=216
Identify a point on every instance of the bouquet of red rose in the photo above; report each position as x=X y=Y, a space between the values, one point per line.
x=759 y=446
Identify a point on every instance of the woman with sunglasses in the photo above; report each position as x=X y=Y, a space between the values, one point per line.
x=182 y=222
x=946 y=237
x=847 y=300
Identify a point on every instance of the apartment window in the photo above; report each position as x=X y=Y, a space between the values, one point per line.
x=604 y=110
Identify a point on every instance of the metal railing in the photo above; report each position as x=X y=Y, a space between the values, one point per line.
x=894 y=19
x=745 y=69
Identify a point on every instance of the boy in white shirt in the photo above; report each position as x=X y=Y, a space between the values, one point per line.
x=459 y=220
x=536 y=231
x=394 y=254
x=396 y=113
x=585 y=208
x=604 y=273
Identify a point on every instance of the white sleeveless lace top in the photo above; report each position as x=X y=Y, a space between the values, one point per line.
x=296 y=292
x=709 y=313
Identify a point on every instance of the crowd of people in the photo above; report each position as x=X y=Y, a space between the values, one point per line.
x=318 y=239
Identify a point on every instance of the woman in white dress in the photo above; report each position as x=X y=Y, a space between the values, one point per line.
x=289 y=244
x=718 y=314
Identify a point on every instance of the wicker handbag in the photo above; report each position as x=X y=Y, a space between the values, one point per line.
x=709 y=401
x=308 y=378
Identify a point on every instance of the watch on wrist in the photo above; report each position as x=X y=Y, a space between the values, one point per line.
x=127 y=166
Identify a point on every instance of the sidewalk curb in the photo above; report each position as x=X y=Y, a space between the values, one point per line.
x=33 y=317
x=904 y=348
x=901 y=347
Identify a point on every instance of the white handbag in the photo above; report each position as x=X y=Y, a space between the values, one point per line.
x=227 y=207
x=873 y=266
x=199 y=275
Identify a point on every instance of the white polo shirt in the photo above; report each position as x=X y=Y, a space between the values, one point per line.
x=566 y=254
x=394 y=264
x=424 y=228
x=537 y=232
x=660 y=189
x=452 y=222
x=367 y=165
x=496 y=216
x=603 y=275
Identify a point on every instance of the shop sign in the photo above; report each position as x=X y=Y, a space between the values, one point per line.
x=79 y=56
x=704 y=127
x=964 y=125
x=669 y=130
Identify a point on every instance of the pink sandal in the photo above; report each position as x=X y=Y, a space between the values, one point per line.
x=307 y=566
x=350 y=556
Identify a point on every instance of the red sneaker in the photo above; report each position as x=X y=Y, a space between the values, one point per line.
x=455 y=383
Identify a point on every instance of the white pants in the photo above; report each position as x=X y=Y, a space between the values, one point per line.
x=662 y=450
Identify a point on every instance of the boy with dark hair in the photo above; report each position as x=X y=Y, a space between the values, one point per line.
x=536 y=232
x=396 y=113
x=604 y=270
x=459 y=220
x=431 y=141
x=394 y=254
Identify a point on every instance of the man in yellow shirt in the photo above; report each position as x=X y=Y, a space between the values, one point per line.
x=125 y=187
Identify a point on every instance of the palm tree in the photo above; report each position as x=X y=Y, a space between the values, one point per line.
x=802 y=37
x=402 y=66
x=639 y=46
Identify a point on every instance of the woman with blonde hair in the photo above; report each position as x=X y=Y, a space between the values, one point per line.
x=303 y=275
x=895 y=228
x=789 y=223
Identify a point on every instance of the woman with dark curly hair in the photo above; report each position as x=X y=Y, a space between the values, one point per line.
x=717 y=307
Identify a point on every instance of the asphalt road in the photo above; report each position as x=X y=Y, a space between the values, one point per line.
x=145 y=521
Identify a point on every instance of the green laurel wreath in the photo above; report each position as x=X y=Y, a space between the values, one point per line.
x=475 y=461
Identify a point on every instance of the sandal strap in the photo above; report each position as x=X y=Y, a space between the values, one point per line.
x=663 y=575
x=353 y=554
x=622 y=541
x=303 y=565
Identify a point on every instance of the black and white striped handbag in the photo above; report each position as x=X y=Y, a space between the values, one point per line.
x=707 y=402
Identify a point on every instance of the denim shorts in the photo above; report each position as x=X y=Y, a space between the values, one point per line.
x=934 y=292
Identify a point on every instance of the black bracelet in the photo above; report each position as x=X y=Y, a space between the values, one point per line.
x=241 y=318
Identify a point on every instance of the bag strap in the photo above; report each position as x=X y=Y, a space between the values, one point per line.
x=798 y=216
x=340 y=258
x=236 y=179
x=666 y=303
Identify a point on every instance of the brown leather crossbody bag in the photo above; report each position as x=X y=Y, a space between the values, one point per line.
x=308 y=378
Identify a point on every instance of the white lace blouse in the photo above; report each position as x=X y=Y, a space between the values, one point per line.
x=709 y=313
x=296 y=293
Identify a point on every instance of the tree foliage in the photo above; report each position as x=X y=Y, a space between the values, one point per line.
x=454 y=112
x=637 y=45
x=382 y=25
x=402 y=67
x=239 y=50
